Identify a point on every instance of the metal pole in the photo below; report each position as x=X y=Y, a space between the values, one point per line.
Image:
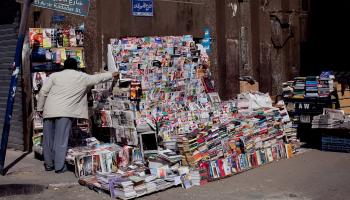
x=13 y=84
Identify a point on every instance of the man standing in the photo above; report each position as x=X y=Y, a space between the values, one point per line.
x=63 y=98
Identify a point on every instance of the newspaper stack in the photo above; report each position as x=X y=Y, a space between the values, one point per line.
x=346 y=123
x=125 y=190
x=162 y=184
x=151 y=187
x=169 y=156
x=331 y=118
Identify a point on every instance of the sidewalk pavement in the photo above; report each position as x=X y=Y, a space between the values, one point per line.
x=311 y=175
x=30 y=170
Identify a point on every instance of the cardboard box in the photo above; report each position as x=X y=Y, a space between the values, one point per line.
x=247 y=87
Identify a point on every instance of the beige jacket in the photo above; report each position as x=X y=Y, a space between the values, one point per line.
x=64 y=94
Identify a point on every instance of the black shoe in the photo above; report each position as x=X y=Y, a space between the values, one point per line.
x=48 y=168
x=61 y=171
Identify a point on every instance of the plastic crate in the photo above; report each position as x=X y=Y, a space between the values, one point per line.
x=335 y=143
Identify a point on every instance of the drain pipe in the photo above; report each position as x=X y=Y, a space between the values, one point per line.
x=13 y=84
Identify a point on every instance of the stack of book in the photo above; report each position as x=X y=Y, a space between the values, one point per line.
x=140 y=188
x=326 y=84
x=188 y=148
x=247 y=141
x=311 y=86
x=299 y=87
x=199 y=177
x=287 y=89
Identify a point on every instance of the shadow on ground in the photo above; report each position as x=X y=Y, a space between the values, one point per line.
x=20 y=189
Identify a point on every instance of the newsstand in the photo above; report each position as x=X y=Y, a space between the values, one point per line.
x=302 y=112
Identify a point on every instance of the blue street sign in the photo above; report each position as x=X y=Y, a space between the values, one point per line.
x=142 y=8
x=58 y=18
x=75 y=7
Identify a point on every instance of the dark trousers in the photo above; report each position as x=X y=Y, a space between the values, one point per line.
x=56 y=134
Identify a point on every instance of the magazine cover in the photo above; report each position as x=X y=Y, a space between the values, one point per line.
x=186 y=181
x=48 y=35
x=36 y=37
x=83 y=165
x=96 y=163
x=73 y=38
x=108 y=161
x=269 y=154
x=214 y=97
x=80 y=37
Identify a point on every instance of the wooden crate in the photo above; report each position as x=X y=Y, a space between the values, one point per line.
x=338 y=86
x=344 y=103
x=345 y=95
x=346 y=110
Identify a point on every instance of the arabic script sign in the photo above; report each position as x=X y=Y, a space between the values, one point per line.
x=76 y=7
x=142 y=7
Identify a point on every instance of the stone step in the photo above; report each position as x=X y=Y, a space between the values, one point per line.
x=15 y=142
x=14 y=113
x=8 y=53
x=15 y=119
x=17 y=98
x=8 y=36
x=16 y=127
x=15 y=146
x=8 y=30
x=8 y=47
x=16 y=104
x=5 y=26
x=8 y=42
x=5 y=71
x=4 y=89
x=6 y=58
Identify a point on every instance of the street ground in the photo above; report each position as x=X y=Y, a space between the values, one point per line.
x=311 y=175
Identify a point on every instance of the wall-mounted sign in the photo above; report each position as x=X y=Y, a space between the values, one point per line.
x=142 y=7
x=75 y=7
x=58 y=18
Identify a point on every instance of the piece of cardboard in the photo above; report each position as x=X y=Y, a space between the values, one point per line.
x=246 y=87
